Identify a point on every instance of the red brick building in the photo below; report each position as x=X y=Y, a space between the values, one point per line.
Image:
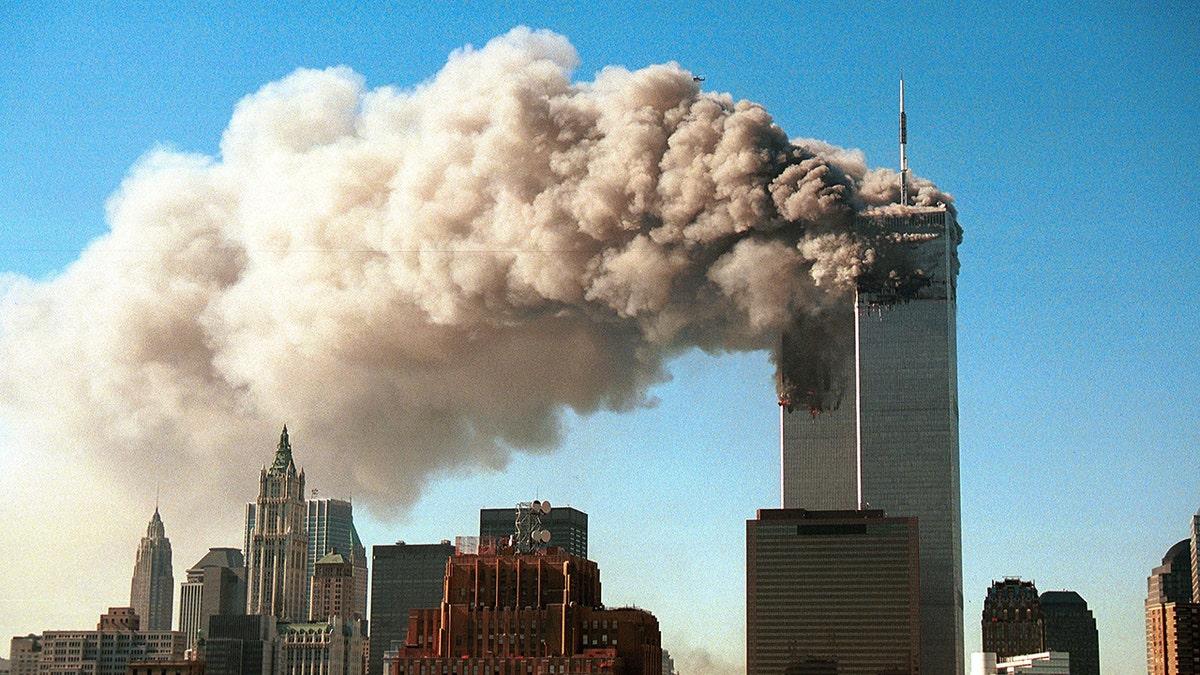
x=527 y=614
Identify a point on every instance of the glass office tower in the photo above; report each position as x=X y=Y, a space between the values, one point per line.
x=887 y=436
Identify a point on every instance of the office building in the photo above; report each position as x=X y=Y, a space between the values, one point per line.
x=216 y=584
x=277 y=544
x=153 y=585
x=1069 y=627
x=1173 y=638
x=832 y=591
x=1173 y=613
x=1018 y=621
x=1172 y=580
x=24 y=654
x=105 y=651
x=404 y=577
x=333 y=647
x=869 y=402
x=239 y=645
x=329 y=525
x=568 y=527
x=119 y=619
x=509 y=613
x=334 y=592
x=1012 y=619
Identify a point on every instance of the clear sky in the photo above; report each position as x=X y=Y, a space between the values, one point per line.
x=1067 y=134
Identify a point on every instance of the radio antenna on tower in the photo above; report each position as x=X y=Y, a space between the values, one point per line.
x=903 y=147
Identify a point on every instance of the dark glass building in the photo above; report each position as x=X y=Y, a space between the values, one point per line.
x=1070 y=627
x=568 y=527
x=239 y=645
x=404 y=577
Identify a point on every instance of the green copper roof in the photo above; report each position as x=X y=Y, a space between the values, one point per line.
x=283 y=455
x=332 y=557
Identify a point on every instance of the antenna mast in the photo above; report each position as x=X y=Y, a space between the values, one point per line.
x=903 y=147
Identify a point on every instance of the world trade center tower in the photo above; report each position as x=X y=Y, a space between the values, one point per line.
x=878 y=428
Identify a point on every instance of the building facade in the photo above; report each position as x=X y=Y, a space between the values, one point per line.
x=1173 y=612
x=869 y=407
x=24 y=653
x=119 y=619
x=153 y=585
x=98 y=652
x=568 y=527
x=215 y=585
x=1012 y=619
x=835 y=591
x=333 y=647
x=1070 y=628
x=334 y=592
x=515 y=614
x=277 y=544
x=239 y=645
x=404 y=577
x=1173 y=638
x=329 y=524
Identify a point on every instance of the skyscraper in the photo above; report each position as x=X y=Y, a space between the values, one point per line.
x=333 y=592
x=568 y=527
x=277 y=546
x=869 y=404
x=153 y=585
x=1012 y=619
x=329 y=524
x=832 y=591
x=1172 y=613
x=1071 y=628
x=404 y=577
x=216 y=585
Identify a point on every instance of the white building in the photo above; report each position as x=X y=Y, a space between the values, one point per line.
x=1045 y=663
x=97 y=652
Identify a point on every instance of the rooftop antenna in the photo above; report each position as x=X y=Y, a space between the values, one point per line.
x=903 y=146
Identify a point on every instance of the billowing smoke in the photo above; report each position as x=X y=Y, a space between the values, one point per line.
x=421 y=280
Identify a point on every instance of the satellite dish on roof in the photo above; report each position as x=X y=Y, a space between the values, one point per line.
x=545 y=507
x=535 y=505
x=544 y=536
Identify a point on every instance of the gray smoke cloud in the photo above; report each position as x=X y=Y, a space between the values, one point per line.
x=423 y=280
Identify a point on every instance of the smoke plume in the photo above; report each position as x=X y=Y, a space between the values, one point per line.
x=422 y=280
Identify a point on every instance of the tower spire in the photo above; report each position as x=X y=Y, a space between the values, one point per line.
x=283 y=452
x=903 y=146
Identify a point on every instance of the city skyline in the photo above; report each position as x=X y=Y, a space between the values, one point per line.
x=1066 y=144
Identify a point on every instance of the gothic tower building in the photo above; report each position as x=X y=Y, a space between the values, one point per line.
x=153 y=581
x=277 y=547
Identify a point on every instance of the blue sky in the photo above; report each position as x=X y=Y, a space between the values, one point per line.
x=1066 y=132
